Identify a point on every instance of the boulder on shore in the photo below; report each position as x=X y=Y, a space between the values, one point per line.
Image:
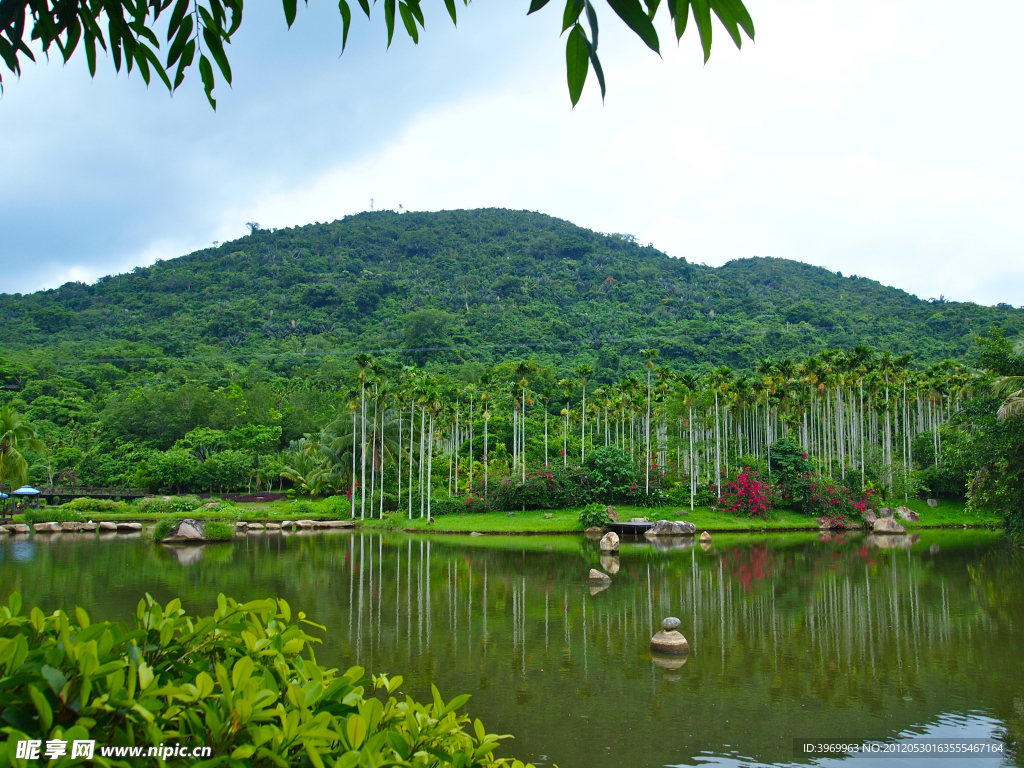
x=596 y=577
x=885 y=512
x=672 y=528
x=594 y=529
x=906 y=513
x=287 y=523
x=128 y=527
x=305 y=523
x=19 y=528
x=106 y=525
x=187 y=532
x=273 y=526
x=869 y=516
x=46 y=527
x=933 y=503
x=887 y=525
x=71 y=526
x=705 y=537
x=255 y=526
x=610 y=542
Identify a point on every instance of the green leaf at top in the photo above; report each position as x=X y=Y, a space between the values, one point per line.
x=289 y=11
x=346 y=22
x=577 y=62
x=631 y=12
x=536 y=5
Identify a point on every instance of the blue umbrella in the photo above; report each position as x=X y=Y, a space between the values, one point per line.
x=27 y=490
x=4 y=496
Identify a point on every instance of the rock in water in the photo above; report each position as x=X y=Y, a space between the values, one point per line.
x=672 y=528
x=255 y=526
x=887 y=525
x=71 y=527
x=46 y=527
x=88 y=527
x=705 y=537
x=594 y=529
x=475 y=533
x=129 y=527
x=885 y=512
x=596 y=577
x=187 y=531
x=933 y=503
x=273 y=527
x=668 y=640
x=19 y=528
x=106 y=525
x=869 y=516
x=906 y=513
x=610 y=542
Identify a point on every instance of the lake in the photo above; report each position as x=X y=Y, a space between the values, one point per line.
x=791 y=636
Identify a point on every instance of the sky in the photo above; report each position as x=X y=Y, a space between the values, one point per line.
x=883 y=138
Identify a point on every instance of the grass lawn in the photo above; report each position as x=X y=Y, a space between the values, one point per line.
x=948 y=513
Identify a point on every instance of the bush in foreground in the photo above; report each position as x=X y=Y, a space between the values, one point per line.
x=594 y=515
x=243 y=681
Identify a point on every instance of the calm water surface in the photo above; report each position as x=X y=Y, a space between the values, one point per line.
x=790 y=636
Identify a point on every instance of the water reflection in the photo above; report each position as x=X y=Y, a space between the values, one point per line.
x=789 y=635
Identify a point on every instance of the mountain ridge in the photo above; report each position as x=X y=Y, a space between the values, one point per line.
x=482 y=285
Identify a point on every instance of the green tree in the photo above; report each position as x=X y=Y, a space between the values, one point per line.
x=16 y=435
x=134 y=31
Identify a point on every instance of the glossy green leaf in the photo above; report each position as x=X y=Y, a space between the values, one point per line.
x=571 y=14
x=389 y=19
x=290 y=7
x=631 y=12
x=409 y=22
x=450 y=5
x=206 y=73
x=702 y=17
x=346 y=22
x=536 y=5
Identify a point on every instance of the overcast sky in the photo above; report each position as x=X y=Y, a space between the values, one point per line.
x=882 y=138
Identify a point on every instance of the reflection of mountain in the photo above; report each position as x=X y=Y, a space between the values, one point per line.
x=790 y=636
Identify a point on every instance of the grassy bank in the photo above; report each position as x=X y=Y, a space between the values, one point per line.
x=947 y=514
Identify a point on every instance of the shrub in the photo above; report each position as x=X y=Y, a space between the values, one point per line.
x=822 y=496
x=747 y=495
x=338 y=506
x=167 y=504
x=59 y=514
x=175 y=678
x=163 y=529
x=788 y=461
x=95 y=505
x=301 y=508
x=393 y=521
x=613 y=474
x=444 y=506
x=552 y=487
x=594 y=515
x=214 y=531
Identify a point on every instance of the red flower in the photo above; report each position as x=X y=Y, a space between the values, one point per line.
x=804 y=455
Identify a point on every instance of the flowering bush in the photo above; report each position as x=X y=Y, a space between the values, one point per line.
x=550 y=487
x=822 y=496
x=748 y=495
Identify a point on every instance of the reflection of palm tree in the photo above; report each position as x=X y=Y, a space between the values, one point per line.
x=16 y=435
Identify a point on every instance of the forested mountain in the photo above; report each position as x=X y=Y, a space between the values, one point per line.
x=485 y=285
x=229 y=355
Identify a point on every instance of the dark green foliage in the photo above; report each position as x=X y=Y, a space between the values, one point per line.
x=163 y=528
x=94 y=505
x=613 y=474
x=594 y=516
x=788 y=461
x=174 y=678
x=52 y=515
x=216 y=531
x=552 y=487
x=445 y=506
x=173 y=504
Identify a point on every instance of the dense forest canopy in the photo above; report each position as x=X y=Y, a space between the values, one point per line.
x=305 y=355
x=486 y=285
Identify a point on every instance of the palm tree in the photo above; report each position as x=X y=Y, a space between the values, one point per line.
x=362 y=361
x=583 y=372
x=648 y=356
x=16 y=435
x=1011 y=389
x=485 y=382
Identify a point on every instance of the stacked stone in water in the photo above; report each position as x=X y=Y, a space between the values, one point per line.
x=668 y=640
